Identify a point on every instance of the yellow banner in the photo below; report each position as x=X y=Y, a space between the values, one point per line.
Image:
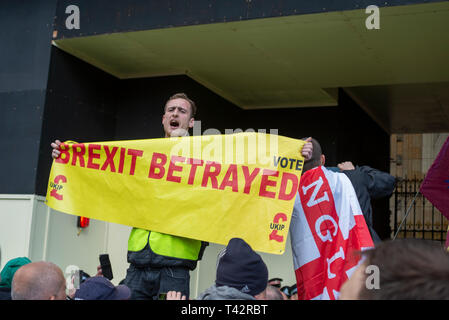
x=210 y=188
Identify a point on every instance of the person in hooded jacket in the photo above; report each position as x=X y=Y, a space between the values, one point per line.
x=7 y=275
x=368 y=183
x=241 y=275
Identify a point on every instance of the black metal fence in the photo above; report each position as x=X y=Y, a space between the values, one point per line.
x=424 y=221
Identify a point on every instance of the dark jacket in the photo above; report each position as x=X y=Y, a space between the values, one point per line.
x=5 y=293
x=370 y=184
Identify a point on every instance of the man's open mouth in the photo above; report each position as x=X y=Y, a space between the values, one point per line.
x=174 y=124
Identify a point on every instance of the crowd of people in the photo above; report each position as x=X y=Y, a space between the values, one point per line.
x=408 y=269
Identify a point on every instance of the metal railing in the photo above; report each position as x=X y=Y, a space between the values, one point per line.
x=424 y=221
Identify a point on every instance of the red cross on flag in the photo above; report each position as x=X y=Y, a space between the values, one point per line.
x=327 y=227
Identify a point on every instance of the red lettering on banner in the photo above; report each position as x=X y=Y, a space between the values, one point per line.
x=211 y=175
x=122 y=160
x=92 y=155
x=195 y=163
x=78 y=153
x=263 y=192
x=157 y=162
x=157 y=170
x=94 y=152
x=64 y=149
x=283 y=195
x=172 y=167
x=109 y=158
x=134 y=154
x=249 y=178
x=233 y=183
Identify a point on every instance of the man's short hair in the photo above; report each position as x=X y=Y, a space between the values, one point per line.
x=409 y=269
x=182 y=95
x=273 y=293
x=41 y=281
x=315 y=160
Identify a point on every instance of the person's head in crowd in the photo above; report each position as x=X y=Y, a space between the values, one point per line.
x=100 y=288
x=179 y=115
x=317 y=159
x=294 y=292
x=408 y=269
x=242 y=268
x=10 y=269
x=38 y=281
x=275 y=282
x=274 y=293
x=70 y=284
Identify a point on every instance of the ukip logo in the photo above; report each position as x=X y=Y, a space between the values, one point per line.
x=57 y=186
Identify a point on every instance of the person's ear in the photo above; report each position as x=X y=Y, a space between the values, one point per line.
x=262 y=295
x=191 y=122
x=323 y=159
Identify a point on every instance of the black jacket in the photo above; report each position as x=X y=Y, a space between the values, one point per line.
x=5 y=293
x=370 y=184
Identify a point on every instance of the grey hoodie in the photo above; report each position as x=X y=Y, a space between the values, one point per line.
x=223 y=293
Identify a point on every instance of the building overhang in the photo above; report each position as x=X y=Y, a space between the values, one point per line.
x=399 y=73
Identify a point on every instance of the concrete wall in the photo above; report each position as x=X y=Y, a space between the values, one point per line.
x=30 y=228
x=16 y=213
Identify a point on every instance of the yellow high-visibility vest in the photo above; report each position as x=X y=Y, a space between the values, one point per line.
x=164 y=244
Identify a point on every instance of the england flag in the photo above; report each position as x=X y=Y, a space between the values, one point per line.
x=327 y=231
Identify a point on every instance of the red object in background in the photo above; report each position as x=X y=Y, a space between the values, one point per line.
x=83 y=222
x=435 y=186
